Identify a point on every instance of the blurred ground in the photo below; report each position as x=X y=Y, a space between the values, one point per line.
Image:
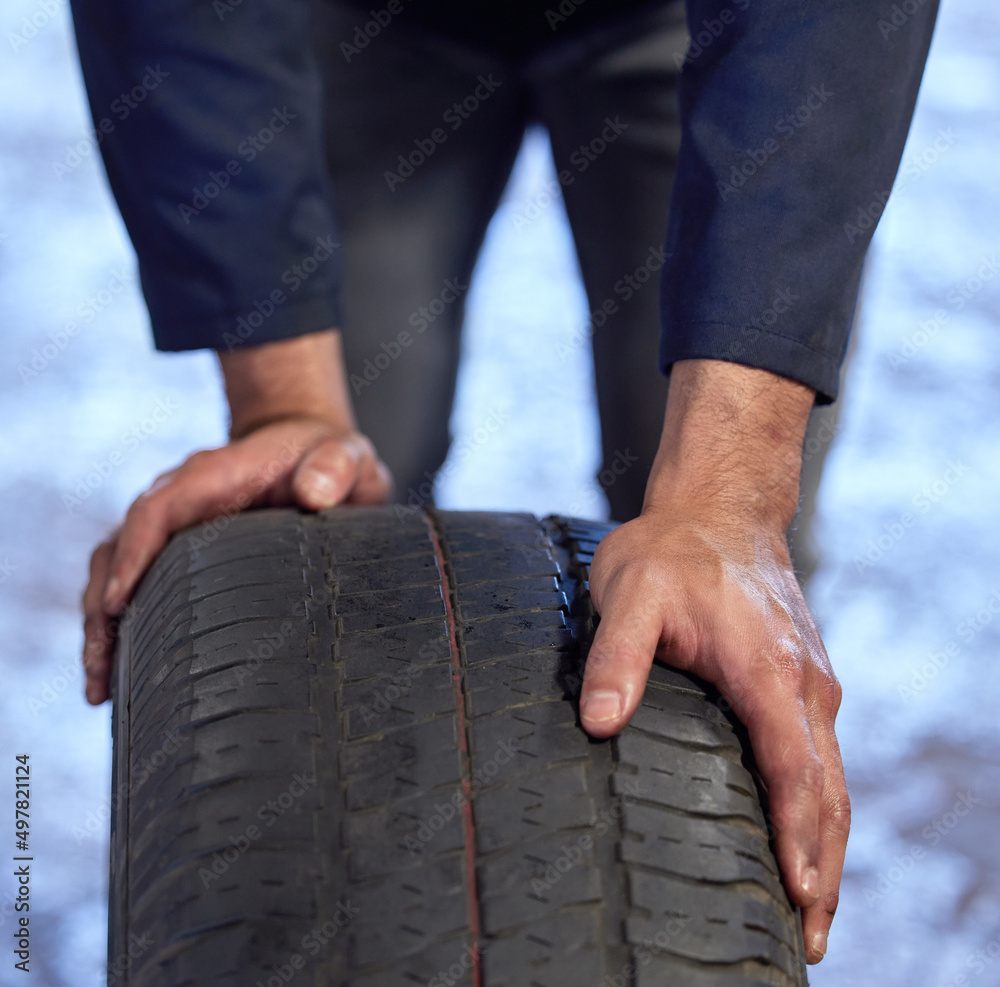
x=909 y=584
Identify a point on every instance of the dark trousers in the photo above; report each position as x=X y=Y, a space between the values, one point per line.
x=411 y=229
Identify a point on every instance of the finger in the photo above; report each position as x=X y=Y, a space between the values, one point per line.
x=98 y=632
x=327 y=474
x=783 y=745
x=618 y=663
x=207 y=484
x=835 y=824
x=374 y=483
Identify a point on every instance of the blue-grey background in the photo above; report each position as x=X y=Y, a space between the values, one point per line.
x=918 y=434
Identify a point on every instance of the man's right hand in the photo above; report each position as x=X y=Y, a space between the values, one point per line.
x=294 y=443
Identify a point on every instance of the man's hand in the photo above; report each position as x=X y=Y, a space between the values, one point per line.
x=294 y=443
x=703 y=580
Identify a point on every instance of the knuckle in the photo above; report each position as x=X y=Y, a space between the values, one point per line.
x=104 y=548
x=830 y=900
x=833 y=692
x=823 y=682
x=201 y=458
x=786 y=657
x=811 y=775
x=344 y=454
x=149 y=502
x=838 y=814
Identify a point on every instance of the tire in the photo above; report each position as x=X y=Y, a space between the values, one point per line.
x=347 y=752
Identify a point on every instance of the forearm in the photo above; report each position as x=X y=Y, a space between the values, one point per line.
x=302 y=377
x=731 y=443
x=794 y=119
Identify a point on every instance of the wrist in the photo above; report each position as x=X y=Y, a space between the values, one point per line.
x=731 y=447
x=298 y=378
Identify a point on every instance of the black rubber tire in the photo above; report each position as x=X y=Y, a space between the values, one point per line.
x=347 y=752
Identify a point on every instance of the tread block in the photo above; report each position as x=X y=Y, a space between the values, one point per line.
x=488 y=563
x=388 y=609
x=563 y=949
x=555 y=800
x=410 y=836
x=687 y=718
x=692 y=781
x=708 y=924
x=394 y=700
x=514 y=633
x=519 y=681
x=393 y=649
x=414 y=759
x=400 y=915
x=517 y=888
x=697 y=848
x=399 y=572
x=523 y=740
x=527 y=593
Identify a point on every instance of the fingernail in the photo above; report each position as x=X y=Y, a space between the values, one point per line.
x=111 y=591
x=319 y=485
x=818 y=943
x=601 y=706
x=810 y=882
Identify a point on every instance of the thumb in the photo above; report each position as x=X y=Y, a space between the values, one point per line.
x=618 y=663
x=326 y=474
